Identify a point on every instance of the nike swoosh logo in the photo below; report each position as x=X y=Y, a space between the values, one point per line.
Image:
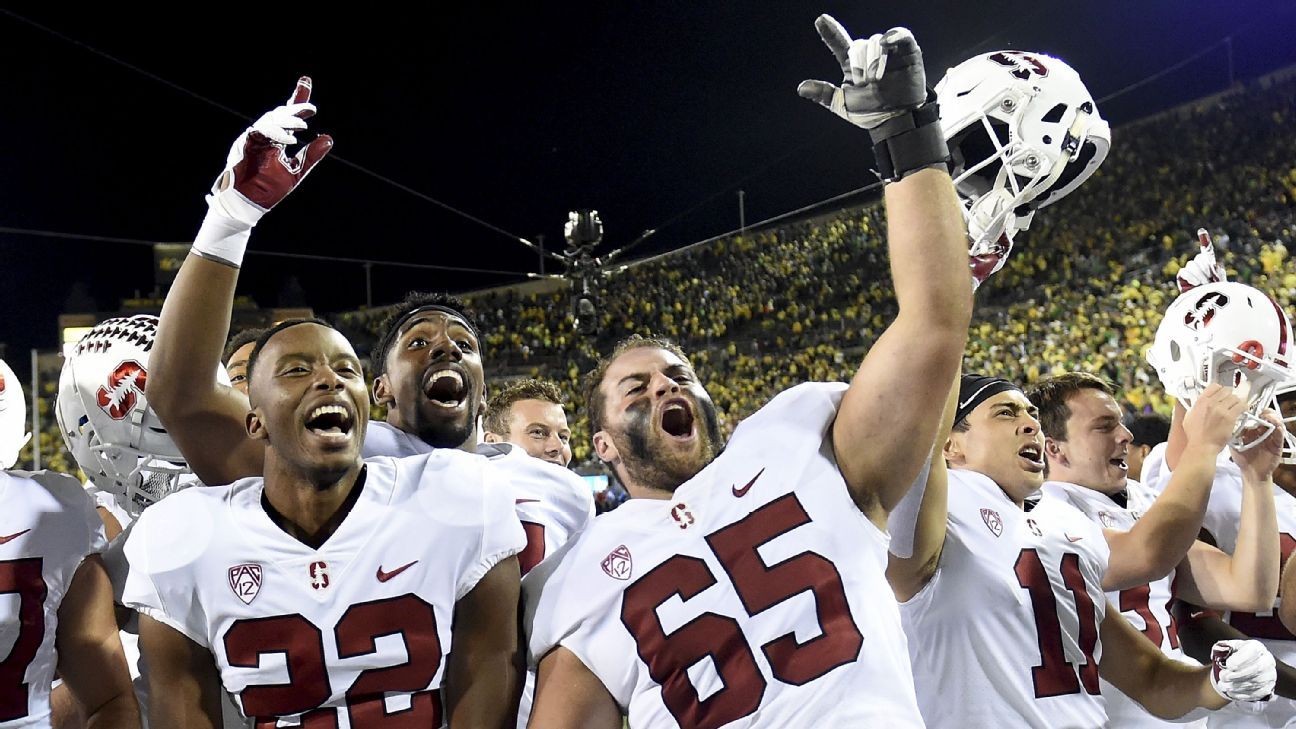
x=1072 y=539
x=974 y=395
x=11 y=537
x=525 y=501
x=741 y=492
x=384 y=576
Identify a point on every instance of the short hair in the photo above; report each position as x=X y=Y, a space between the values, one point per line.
x=1150 y=429
x=267 y=334
x=593 y=394
x=241 y=338
x=500 y=407
x=1050 y=395
x=414 y=301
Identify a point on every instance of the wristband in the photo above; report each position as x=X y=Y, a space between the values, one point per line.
x=910 y=142
x=222 y=238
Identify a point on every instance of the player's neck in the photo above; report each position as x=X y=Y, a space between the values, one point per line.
x=470 y=443
x=310 y=509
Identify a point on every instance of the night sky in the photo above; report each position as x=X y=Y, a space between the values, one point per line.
x=654 y=113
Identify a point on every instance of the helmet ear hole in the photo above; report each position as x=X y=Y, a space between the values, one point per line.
x=1175 y=353
x=1054 y=115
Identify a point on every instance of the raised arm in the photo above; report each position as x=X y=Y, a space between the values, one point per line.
x=890 y=416
x=205 y=417
x=1162 y=537
x=90 y=656
x=484 y=677
x=1246 y=580
x=909 y=573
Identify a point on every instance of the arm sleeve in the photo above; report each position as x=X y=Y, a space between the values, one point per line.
x=502 y=535
x=170 y=604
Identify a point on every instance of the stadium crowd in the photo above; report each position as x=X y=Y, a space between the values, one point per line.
x=798 y=302
x=919 y=452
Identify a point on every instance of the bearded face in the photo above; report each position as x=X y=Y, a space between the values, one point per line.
x=660 y=426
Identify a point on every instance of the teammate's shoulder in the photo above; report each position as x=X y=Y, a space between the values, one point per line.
x=825 y=394
x=62 y=486
x=512 y=463
x=800 y=409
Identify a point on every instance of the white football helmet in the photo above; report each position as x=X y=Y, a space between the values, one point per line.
x=1227 y=333
x=13 y=417
x=1023 y=132
x=106 y=420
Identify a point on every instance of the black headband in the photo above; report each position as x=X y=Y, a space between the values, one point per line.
x=976 y=389
x=395 y=329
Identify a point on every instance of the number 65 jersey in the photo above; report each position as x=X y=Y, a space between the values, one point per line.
x=344 y=635
x=755 y=597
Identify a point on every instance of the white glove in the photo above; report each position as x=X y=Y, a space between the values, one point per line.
x=258 y=174
x=1203 y=268
x=869 y=95
x=1242 y=670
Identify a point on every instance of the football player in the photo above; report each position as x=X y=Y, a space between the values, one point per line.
x=129 y=459
x=529 y=413
x=743 y=582
x=427 y=365
x=58 y=612
x=1042 y=632
x=1155 y=555
x=235 y=357
x=334 y=585
x=1218 y=331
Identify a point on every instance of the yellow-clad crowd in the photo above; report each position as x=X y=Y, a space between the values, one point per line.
x=1084 y=288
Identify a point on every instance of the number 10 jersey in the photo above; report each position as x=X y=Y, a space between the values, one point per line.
x=755 y=597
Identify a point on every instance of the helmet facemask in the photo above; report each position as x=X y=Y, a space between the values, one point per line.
x=1023 y=132
x=1232 y=335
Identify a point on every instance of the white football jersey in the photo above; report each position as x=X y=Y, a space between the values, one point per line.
x=1006 y=631
x=552 y=503
x=755 y=597
x=1223 y=514
x=1147 y=607
x=48 y=526
x=350 y=632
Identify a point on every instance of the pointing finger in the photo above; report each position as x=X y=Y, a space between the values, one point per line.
x=302 y=93
x=837 y=39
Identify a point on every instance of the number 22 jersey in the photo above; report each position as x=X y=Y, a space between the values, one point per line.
x=343 y=635
x=755 y=597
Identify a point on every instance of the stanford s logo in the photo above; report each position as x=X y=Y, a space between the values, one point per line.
x=992 y=521
x=319 y=575
x=245 y=581
x=118 y=397
x=1020 y=65
x=1204 y=310
x=618 y=564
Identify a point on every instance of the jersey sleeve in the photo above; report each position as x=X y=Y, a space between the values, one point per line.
x=152 y=589
x=502 y=535
x=80 y=508
x=545 y=621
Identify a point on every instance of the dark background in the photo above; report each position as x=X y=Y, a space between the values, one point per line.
x=654 y=113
